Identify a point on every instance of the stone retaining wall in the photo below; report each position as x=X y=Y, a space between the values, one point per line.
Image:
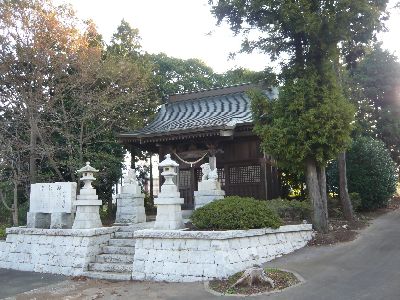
x=185 y=256
x=58 y=251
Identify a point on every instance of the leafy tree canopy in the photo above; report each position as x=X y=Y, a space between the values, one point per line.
x=376 y=92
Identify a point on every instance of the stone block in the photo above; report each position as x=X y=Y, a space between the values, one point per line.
x=38 y=220
x=131 y=189
x=148 y=243
x=209 y=185
x=195 y=270
x=207 y=257
x=87 y=217
x=141 y=254
x=184 y=256
x=52 y=197
x=210 y=270
x=203 y=197
x=130 y=209
x=138 y=275
x=138 y=265
x=61 y=220
x=204 y=244
x=191 y=244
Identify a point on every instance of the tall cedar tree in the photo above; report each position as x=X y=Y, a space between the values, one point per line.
x=310 y=122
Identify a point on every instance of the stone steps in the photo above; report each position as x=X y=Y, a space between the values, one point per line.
x=111 y=267
x=123 y=235
x=108 y=275
x=119 y=250
x=122 y=242
x=116 y=260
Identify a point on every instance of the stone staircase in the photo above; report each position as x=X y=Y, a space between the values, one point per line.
x=116 y=260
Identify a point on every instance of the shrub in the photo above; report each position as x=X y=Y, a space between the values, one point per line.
x=149 y=205
x=370 y=172
x=22 y=211
x=235 y=213
x=291 y=209
x=3 y=231
x=356 y=201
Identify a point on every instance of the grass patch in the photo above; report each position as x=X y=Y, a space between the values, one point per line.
x=282 y=280
x=3 y=231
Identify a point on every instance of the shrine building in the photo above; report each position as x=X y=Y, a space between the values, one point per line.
x=212 y=126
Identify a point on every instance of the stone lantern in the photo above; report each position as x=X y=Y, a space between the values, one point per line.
x=169 y=213
x=88 y=203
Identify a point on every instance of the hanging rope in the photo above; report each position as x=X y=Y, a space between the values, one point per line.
x=191 y=163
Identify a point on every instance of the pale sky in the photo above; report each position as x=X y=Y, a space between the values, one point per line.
x=179 y=28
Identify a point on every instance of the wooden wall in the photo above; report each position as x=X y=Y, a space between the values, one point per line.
x=242 y=170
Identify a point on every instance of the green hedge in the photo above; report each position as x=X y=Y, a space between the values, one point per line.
x=291 y=209
x=235 y=212
x=371 y=173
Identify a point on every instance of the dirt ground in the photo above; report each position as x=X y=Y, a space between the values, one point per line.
x=341 y=230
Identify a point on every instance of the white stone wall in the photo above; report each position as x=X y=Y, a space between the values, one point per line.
x=185 y=256
x=58 y=251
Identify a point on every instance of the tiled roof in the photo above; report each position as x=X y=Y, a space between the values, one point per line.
x=205 y=110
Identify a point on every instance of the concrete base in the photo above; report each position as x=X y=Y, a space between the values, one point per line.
x=203 y=197
x=209 y=185
x=61 y=220
x=38 y=220
x=169 y=213
x=87 y=217
x=130 y=209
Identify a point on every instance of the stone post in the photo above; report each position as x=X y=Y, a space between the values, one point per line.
x=209 y=188
x=130 y=203
x=87 y=204
x=169 y=213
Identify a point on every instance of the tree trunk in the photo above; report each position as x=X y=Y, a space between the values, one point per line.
x=320 y=215
x=15 y=205
x=253 y=276
x=151 y=177
x=343 y=191
x=32 y=154
x=322 y=187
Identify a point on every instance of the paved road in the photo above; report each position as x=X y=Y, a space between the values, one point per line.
x=15 y=282
x=367 y=268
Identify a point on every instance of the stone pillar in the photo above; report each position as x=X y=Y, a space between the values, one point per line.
x=169 y=213
x=130 y=203
x=212 y=160
x=87 y=204
x=209 y=189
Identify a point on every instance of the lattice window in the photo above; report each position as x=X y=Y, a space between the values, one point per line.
x=184 y=178
x=244 y=174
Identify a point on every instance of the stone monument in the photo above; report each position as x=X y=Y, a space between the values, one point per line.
x=51 y=205
x=169 y=213
x=209 y=188
x=88 y=203
x=130 y=203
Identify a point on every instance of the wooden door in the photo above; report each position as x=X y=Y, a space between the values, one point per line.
x=186 y=188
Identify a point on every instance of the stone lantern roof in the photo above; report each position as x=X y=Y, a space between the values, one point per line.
x=168 y=162
x=87 y=168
